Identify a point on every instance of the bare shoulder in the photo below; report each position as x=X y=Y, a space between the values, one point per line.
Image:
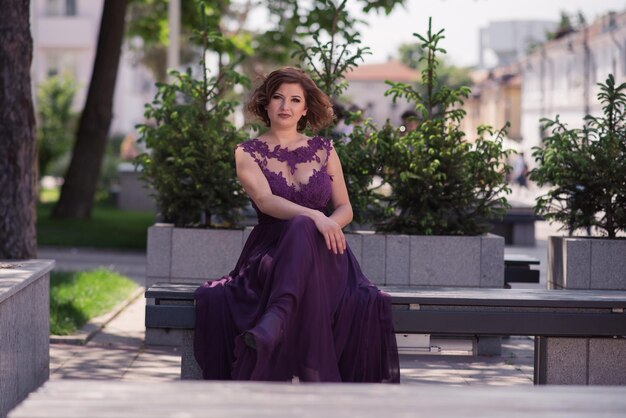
x=247 y=148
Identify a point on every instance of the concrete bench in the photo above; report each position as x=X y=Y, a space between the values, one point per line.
x=517 y=269
x=24 y=329
x=517 y=226
x=579 y=334
x=89 y=398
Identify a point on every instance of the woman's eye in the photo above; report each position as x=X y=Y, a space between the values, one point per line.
x=296 y=100
x=276 y=97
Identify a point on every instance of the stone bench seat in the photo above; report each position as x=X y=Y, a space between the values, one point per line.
x=90 y=398
x=517 y=269
x=24 y=329
x=579 y=333
x=517 y=226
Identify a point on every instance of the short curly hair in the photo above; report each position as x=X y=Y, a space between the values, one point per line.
x=319 y=107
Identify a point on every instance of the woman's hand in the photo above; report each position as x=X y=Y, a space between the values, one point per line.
x=332 y=233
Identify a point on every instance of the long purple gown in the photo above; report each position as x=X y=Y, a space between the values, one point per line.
x=291 y=307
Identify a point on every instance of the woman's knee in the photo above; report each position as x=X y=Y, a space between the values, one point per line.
x=302 y=222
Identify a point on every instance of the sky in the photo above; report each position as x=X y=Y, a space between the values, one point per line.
x=462 y=20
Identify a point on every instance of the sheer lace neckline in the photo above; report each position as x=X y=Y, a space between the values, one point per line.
x=299 y=175
x=309 y=142
x=299 y=155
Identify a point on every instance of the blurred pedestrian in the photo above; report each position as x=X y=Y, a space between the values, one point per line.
x=410 y=121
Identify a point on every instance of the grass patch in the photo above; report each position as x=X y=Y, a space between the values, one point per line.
x=108 y=227
x=75 y=298
x=49 y=195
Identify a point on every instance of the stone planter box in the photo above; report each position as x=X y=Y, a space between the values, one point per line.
x=586 y=263
x=24 y=329
x=184 y=255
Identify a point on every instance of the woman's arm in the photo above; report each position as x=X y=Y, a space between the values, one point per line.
x=256 y=186
x=342 y=213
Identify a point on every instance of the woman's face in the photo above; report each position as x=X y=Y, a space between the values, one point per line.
x=286 y=106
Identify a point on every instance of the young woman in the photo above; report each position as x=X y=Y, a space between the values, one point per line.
x=297 y=303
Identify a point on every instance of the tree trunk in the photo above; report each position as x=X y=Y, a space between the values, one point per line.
x=79 y=188
x=18 y=173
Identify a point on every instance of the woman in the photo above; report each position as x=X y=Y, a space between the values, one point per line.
x=296 y=304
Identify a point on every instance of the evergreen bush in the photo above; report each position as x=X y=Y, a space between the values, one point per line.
x=191 y=140
x=586 y=167
x=441 y=182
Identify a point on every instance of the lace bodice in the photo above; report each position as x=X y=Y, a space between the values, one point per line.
x=298 y=175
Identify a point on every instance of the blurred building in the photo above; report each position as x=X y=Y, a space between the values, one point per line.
x=367 y=89
x=65 y=36
x=506 y=42
x=560 y=77
x=495 y=100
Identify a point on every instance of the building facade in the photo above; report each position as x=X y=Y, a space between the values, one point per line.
x=503 y=43
x=367 y=87
x=495 y=100
x=558 y=77
x=65 y=36
x=561 y=76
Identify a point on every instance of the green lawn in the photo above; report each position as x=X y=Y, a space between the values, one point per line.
x=108 y=227
x=75 y=298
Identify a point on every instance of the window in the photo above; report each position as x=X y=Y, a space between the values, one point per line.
x=54 y=7
x=61 y=8
x=70 y=8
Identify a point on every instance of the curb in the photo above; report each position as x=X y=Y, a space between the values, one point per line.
x=87 y=331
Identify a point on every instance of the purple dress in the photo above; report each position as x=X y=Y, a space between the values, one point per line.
x=311 y=313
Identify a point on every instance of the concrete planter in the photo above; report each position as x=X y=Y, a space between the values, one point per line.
x=24 y=329
x=183 y=255
x=586 y=263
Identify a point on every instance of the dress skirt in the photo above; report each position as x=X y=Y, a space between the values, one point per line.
x=293 y=308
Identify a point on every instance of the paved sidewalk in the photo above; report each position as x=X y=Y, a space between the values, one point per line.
x=128 y=263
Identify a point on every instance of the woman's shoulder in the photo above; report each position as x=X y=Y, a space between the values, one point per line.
x=252 y=145
x=253 y=149
x=319 y=142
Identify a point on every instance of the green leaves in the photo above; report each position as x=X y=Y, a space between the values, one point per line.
x=441 y=183
x=428 y=181
x=191 y=140
x=586 y=167
x=334 y=47
x=56 y=120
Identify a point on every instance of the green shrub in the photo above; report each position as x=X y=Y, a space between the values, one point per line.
x=442 y=183
x=586 y=167
x=55 y=122
x=191 y=140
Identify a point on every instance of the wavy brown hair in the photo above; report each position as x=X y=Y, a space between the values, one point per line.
x=319 y=107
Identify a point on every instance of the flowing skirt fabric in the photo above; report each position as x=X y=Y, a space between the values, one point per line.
x=310 y=313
